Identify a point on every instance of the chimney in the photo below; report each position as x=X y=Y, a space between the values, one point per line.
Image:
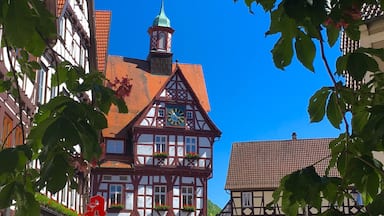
x=294 y=136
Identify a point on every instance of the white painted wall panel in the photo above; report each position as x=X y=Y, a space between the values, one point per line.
x=151 y=112
x=141 y=159
x=172 y=151
x=199 y=191
x=149 y=190
x=129 y=187
x=103 y=186
x=188 y=180
x=144 y=149
x=146 y=139
x=171 y=140
x=148 y=203
x=204 y=142
x=199 y=203
x=140 y=202
x=176 y=202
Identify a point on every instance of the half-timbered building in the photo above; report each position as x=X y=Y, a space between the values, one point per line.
x=255 y=170
x=75 y=43
x=158 y=156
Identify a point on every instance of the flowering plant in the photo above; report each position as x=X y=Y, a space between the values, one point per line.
x=192 y=155
x=116 y=206
x=160 y=155
x=188 y=208
x=161 y=207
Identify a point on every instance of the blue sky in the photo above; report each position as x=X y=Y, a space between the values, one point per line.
x=250 y=99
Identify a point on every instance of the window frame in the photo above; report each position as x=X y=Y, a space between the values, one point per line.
x=159 y=197
x=115 y=150
x=115 y=193
x=191 y=147
x=7 y=131
x=246 y=199
x=187 y=196
x=160 y=145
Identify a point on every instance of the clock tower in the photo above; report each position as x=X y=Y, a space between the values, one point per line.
x=160 y=54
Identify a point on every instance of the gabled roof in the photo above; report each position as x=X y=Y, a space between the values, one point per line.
x=145 y=86
x=261 y=165
x=102 y=26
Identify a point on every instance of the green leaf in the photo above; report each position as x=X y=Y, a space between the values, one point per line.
x=61 y=74
x=32 y=26
x=10 y=157
x=282 y=53
x=5 y=85
x=121 y=105
x=332 y=34
x=359 y=63
x=6 y=194
x=332 y=212
x=372 y=51
x=360 y=118
x=29 y=206
x=334 y=113
x=305 y=50
x=376 y=207
x=317 y=102
x=57 y=171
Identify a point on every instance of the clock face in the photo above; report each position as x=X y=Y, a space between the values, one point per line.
x=175 y=116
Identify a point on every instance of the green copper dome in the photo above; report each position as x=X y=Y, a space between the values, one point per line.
x=162 y=19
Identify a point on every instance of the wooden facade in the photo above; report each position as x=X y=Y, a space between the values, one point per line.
x=266 y=162
x=158 y=156
x=75 y=43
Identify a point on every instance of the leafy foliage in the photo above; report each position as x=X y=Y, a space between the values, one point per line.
x=213 y=209
x=300 y=23
x=63 y=125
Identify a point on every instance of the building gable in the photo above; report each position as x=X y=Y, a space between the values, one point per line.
x=176 y=106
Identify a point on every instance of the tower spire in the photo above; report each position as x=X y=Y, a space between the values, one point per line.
x=162 y=19
x=160 y=53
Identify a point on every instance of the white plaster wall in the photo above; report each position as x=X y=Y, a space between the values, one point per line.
x=129 y=201
x=145 y=139
x=204 y=142
x=144 y=150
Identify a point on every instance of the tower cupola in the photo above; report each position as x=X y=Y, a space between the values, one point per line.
x=162 y=19
x=160 y=54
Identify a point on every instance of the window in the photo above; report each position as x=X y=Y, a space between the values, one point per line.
x=160 y=113
x=161 y=41
x=246 y=199
x=18 y=136
x=7 y=129
x=115 y=192
x=115 y=146
x=160 y=143
x=190 y=145
x=189 y=115
x=160 y=195
x=62 y=27
x=107 y=178
x=187 y=195
x=41 y=84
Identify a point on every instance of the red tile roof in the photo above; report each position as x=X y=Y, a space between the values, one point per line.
x=60 y=6
x=102 y=26
x=115 y=164
x=261 y=165
x=144 y=88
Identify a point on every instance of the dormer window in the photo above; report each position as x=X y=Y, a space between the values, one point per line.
x=114 y=146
